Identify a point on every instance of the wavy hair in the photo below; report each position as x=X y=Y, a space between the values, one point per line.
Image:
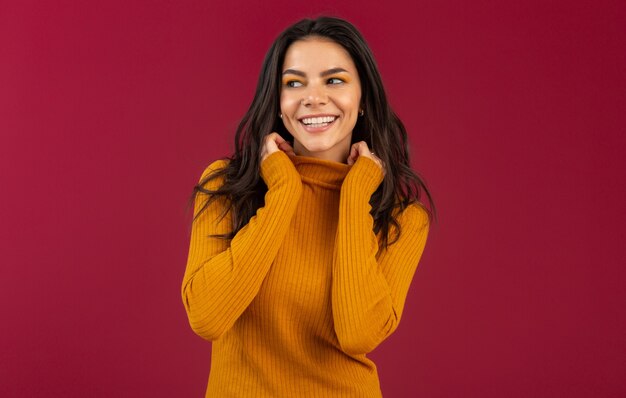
x=380 y=128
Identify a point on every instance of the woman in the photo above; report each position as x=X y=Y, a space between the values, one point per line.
x=305 y=241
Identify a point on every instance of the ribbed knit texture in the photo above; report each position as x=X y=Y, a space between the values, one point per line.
x=298 y=297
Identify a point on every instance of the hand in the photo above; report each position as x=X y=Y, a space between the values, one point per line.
x=274 y=142
x=361 y=149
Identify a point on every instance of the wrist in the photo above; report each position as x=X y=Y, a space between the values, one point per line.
x=277 y=168
x=364 y=177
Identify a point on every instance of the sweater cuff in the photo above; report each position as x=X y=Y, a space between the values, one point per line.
x=277 y=168
x=365 y=176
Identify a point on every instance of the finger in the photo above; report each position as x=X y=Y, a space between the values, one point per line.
x=278 y=139
x=286 y=147
x=269 y=143
x=286 y=144
x=364 y=150
x=360 y=149
x=274 y=137
x=353 y=154
x=283 y=144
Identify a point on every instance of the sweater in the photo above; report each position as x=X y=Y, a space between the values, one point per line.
x=299 y=296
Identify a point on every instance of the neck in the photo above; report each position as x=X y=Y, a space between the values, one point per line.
x=336 y=154
x=327 y=173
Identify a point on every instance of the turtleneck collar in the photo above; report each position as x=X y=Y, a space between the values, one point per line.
x=327 y=173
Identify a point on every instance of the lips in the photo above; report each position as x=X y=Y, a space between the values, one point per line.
x=309 y=120
x=317 y=122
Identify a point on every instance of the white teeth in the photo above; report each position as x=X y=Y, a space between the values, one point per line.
x=318 y=120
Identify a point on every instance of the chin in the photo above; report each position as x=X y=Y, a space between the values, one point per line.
x=314 y=147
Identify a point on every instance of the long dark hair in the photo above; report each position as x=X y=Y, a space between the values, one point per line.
x=380 y=128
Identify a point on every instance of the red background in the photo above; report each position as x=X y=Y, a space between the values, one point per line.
x=109 y=113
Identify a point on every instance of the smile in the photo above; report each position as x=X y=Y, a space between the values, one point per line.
x=317 y=124
x=314 y=121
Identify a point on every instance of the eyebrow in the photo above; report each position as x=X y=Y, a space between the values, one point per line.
x=325 y=73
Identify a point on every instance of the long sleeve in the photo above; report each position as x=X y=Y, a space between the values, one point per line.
x=223 y=277
x=368 y=293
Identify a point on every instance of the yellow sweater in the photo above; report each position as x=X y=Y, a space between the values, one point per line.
x=298 y=297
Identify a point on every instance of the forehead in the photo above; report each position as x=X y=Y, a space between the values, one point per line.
x=317 y=54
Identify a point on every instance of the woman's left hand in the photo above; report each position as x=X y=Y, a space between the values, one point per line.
x=361 y=149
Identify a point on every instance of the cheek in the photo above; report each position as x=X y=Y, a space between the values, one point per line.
x=288 y=104
x=350 y=103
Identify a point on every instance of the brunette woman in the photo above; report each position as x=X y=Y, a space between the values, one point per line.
x=305 y=240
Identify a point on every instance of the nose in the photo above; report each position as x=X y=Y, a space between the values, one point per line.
x=315 y=96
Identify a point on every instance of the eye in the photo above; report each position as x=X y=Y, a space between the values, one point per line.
x=293 y=83
x=338 y=80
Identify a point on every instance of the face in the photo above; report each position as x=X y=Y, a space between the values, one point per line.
x=319 y=98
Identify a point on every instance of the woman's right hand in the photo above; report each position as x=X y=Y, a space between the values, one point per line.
x=274 y=142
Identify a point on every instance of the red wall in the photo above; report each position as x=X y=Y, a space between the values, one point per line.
x=109 y=113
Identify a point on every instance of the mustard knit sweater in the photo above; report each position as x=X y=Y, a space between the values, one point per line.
x=298 y=297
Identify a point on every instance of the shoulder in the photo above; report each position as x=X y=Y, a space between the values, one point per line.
x=414 y=216
x=215 y=166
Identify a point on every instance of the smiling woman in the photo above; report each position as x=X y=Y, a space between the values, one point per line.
x=321 y=93
x=304 y=242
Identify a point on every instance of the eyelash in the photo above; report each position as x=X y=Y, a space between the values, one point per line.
x=288 y=84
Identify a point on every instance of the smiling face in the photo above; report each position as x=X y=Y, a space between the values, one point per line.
x=319 y=98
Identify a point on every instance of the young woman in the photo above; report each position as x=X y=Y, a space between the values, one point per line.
x=305 y=241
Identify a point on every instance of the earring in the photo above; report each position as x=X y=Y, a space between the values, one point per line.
x=361 y=112
x=280 y=115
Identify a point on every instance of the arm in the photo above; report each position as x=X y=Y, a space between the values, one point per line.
x=368 y=293
x=223 y=277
